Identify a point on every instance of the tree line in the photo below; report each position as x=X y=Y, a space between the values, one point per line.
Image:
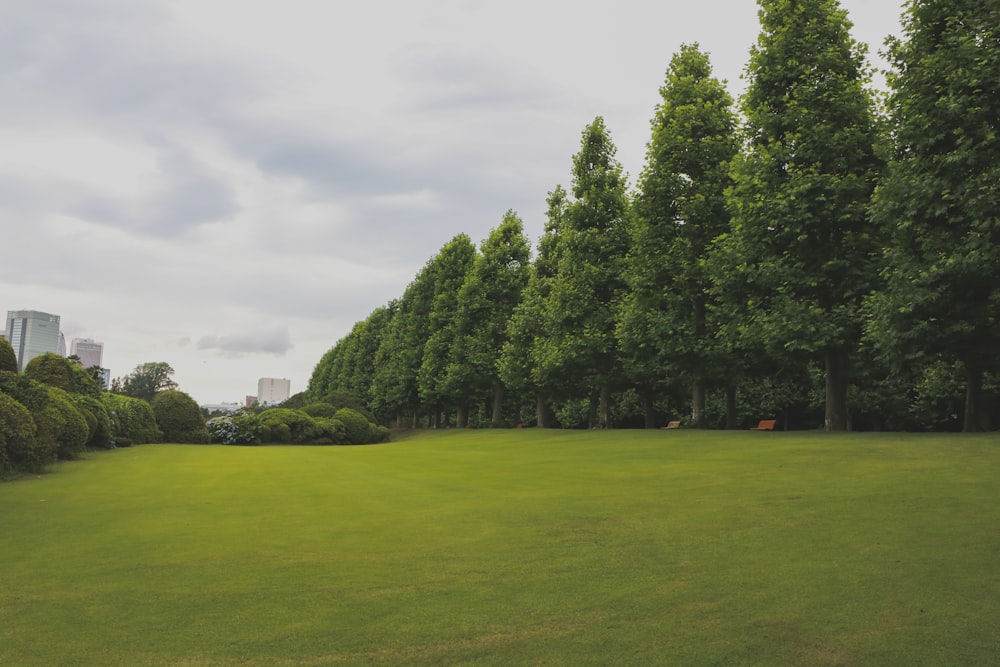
x=817 y=253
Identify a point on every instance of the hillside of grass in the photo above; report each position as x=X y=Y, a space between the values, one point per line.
x=511 y=547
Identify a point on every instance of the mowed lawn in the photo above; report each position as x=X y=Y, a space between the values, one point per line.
x=511 y=548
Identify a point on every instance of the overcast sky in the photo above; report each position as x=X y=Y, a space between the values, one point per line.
x=229 y=185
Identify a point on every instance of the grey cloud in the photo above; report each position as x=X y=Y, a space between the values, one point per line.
x=186 y=195
x=277 y=342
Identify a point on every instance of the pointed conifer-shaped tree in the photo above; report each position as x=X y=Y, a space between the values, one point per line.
x=665 y=328
x=580 y=349
x=802 y=248
x=940 y=197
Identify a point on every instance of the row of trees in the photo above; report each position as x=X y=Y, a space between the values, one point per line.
x=820 y=251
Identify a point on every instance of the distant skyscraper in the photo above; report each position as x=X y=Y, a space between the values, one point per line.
x=31 y=333
x=272 y=390
x=61 y=345
x=91 y=353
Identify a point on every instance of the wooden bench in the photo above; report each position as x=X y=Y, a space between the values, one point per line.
x=671 y=425
x=764 y=425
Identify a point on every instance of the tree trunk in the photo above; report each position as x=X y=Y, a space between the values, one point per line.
x=649 y=410
x=498 y=396
x=973 y=419
x=604 y=418
x=592 y=412
x=836 y=390
x=462 y=416
x=731 y=406
x=541 y=411
x=416 y=419
x=698 y=404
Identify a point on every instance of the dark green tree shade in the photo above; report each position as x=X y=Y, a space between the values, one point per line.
x=179 y=417
x=580 y=348
x=803 y=252
x=665 y=328
x=486 y=302
x=940 y=198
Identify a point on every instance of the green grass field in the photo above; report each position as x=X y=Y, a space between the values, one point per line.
x=509 y=548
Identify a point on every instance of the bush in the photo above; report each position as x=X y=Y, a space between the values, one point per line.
x=18 y=447
x=357 y=428
x=57 y=371
x=132 y=420
x=239 y=428
x=379 y=433
x=331 y=431
x=284 y=425
x=320 y=410
x=8 y=360
x=179 y=417
x=25 y=391
x=100 y=436
x=343 y=399
x=61 y=427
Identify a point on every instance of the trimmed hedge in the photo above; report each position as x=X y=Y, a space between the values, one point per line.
x=283 y=425
x=61 y=427
x=356 y=427
x=18 y=445
x=132 y=420
x=179 y=417
x=8 y=360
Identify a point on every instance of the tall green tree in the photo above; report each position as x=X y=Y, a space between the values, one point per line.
x=679 y=210
x=146 y=381
x=802 y=247
x=941 y=194
x=448 y=272
x=580 y=347
x=527 y=324
x=486 y=302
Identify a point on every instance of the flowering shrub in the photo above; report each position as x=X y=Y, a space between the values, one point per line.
x=238 y=428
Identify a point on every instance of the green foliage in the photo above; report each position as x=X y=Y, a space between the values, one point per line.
x=802 y=253
x=331 y=431
x=665 y=327
x=941 y=195
x=447 y=272
x=579 y=350
x=18 y=446
x=24 y=390
x=97 y=418
x=237 y=428
x=61 y=427
x=58 y=371
x=486 y=302
x=146 y=380
x=357 y=429
x=132 y=420
x=8 y=359
x=282 y=425
x=179 y=417
x=319 y=410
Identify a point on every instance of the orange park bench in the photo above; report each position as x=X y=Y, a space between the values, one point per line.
x=671 y=425
x=764 y=425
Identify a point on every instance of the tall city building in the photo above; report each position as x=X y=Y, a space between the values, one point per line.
x=91 y=353
x=31 y=333
x=271 y=391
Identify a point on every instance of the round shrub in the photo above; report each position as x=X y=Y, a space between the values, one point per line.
x=331 y=431
x=319 y=410
x=24 y=390
x=379 y=433
x=283 y=425
x=61 y=427
x=179 y=417
x=132 y=420
x=356 y=426
x=50 y=369
x=237 y=428
x=100 y=437
x=8 y=360
x=17 y=436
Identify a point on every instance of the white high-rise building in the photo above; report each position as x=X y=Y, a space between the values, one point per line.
x=271 y=391
x=31 y=333
x=90 y=352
